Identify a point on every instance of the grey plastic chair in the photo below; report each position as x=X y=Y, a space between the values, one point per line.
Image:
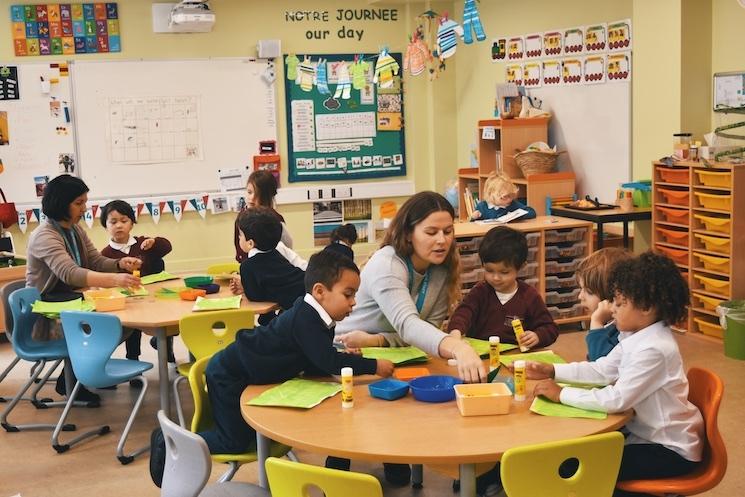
x=188 y=467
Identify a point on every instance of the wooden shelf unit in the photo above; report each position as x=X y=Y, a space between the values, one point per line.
x=511 y=136
x=705 y=208
x=8 y=274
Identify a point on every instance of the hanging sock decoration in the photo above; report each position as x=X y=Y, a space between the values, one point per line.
x=307 y=74
x=359 y=73
x=471 y=19
x=292 y=62
x=385 y=68
x=447 y=37
x=322 y=78
x=417 y=54
x=344 y=84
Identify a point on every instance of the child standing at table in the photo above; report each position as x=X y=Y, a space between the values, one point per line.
x=342 y=239
x=500 y=198
x=592 y=275
x=491 y=305
x=644 y=372
x=299 y=340
x=118 y=218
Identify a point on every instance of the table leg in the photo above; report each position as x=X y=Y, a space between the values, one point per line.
x=69 y=378
x=600 y=236
x=417 y=475
x=163 y=383
x=467 y=480
x=263 y=445
x=625 y=234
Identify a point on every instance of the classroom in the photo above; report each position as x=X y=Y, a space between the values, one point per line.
x=639 y=152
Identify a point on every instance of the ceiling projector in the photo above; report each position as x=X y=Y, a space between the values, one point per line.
x=191 y=16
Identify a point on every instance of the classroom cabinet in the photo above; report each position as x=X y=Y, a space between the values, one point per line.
x=698 y=220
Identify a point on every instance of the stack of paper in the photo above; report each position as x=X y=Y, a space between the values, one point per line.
x=545 y=407
x=545 y=356
x=155 y=278
x=397 y=355
x=52 y=310
x=482 y=346
x=219 y=304
x=297 y=393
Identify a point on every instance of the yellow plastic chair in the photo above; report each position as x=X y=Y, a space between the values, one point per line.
x=534 y=469
x=204 y=334
x=224 y=268
x=203 y=421
x=294 y=479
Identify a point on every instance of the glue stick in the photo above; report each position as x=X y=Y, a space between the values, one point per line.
x=493 y=353
x=519 y=369
x=347 y=383
x=136 y=273
x=517 y=326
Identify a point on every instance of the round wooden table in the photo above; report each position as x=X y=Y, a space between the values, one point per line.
x=409 y=431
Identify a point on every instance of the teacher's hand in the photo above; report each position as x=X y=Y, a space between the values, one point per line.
x=129 y=264
x=357 y=339
x=470 y=366
x=125 y=280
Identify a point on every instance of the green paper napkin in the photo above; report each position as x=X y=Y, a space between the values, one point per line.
x=545 y=356
x=397 y=355
x=545 y=407
x=53 y=309
x=482 y=346
x=218 y=304
x=155 y=278
x=297 y=393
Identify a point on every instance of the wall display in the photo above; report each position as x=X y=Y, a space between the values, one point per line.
x=729 y=91
x=516 y=48
x=571 y=71
x=532 y=74
x=552 y=43
x=498 y=49
x=619 y=66
x=533 y=45
x=353 y=133
x=513 y=74
x=594 y=69
x=574 y=39
x=596 y=38
x=551 y=72
x=619 y=35
x=65 y=29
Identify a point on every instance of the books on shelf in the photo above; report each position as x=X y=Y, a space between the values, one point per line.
x=470 y=199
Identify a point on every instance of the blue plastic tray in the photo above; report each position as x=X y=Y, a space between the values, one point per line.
x=388 y=389
x=434 y=388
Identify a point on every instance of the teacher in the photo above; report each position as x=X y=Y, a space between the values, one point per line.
x=61 y=258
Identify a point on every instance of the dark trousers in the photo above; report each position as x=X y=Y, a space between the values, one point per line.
x=649 y=462
x=132 y=344
x=231 y=434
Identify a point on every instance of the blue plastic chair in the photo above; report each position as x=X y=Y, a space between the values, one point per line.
x=31 y=350
x=91 y=339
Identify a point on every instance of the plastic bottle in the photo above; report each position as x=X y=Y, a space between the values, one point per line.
x=347 y=384
x=517 y=327
x=519 y=369
x=493 y=353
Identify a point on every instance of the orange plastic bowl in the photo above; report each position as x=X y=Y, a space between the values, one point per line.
x=192 y=294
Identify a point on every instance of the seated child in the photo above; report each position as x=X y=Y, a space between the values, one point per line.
x=499 y=199
x=592 y=276
x=342 y=239
x=298 y=340
x=118 y=218
x=644 y=372
x=492 y=304
x=265 y=274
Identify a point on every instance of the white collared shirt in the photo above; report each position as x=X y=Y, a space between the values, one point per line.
x=123 y=247
x=505 y=297
x=289 y=254
x=643 y=372
x=330 y=323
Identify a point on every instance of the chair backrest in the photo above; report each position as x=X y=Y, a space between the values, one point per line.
x=208 y=332
x=188 y=462
x=294 y=479
x=706 y=389
x=91 y=339
x=20 y=302
x=202 y=419
x=5 y=296
x=534 y=469
x=224 y=268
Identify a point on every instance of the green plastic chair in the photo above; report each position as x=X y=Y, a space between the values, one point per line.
x=294 y=479
x=202 y=421
x=534 y=469
x=204 y=334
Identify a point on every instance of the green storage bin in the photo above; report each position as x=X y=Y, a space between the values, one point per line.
x=642 y=194
x=732 y=318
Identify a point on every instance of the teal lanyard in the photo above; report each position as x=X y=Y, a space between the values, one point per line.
x=70 y=243
x=422 y=289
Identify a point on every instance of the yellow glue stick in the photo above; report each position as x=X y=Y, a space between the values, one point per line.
x=136 y=273
x=517 y=326
x=519 y=369
x=493 y=353
x=347 y=383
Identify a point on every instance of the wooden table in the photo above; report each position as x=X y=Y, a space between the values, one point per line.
x=409 y=431
x=160 y=318
x=603 y=216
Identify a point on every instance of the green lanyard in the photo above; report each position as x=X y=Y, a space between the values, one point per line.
x=70 y=243
x=422 y=289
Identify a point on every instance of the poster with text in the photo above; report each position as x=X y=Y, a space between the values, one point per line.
x=571 y=71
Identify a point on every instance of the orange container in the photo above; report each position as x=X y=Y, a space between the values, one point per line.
x=678 y=256
x=678 y=216
x=192 y=294
x=407 y=374
x=669 y=175
x=675 y=197
x=676 y=237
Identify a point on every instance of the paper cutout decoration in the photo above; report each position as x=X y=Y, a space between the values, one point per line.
x=22 y=221
x=552 y=43
x=532 y=74
x=571 y=71
x=619 y=35
x=498 y=49
x=551 y=72
x=574 y=39
x=89 y=217
x=594 y=69
x=619 y=67
x=9 y=89
x=596 y=38
x=65 y=29
x=516 y=48
x=533 y=45
x=514 y=74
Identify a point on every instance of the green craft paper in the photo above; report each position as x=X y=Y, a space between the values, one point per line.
x=133 y=292
x=297 y=393
x=155 y=278
x=218 y=304
x=52 y=309
x=482 y=346
x=545 y=407
x=545 y=356
x=397 y=355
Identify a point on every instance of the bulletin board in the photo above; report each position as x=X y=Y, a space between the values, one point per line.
x=36 y=123
x=336 y=135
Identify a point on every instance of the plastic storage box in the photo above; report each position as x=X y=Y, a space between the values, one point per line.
x=528 y=271
x=642 y=192
x=678 y=256
x=562 y=297
x=388 y=389
x=566 y=235
x=708 y=303
x=720 y=287
x=714 y=201
x=675 y=197
x=556 y=282
x=713 y=263
x=714 y=243
x=720 y=179
x=718 y=224
x=675 y=237
x=556 y=251
x=532 y=239
x=673 y=175
x=557 y=267
x=483 y=399
x=670 y=215
x=106 y=299
x=708 y=328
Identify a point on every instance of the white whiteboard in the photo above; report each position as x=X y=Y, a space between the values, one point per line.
x=223 y=107
x=38 y=131
x=593 y=124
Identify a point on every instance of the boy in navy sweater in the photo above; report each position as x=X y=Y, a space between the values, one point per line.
x=265 y=274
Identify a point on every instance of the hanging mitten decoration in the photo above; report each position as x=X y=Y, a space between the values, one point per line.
x=471 y=19
x=447 y=34
x=385 y=68
x=307 y=74
x=292 y=61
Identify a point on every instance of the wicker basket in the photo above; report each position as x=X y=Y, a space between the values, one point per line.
x=536 y=162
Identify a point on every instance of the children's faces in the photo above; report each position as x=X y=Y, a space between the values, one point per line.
x=245 y=245
x=339 y=300
x=628 y=317
x=251 y=195
x=432 y=240
x=502 y=277
x=587 y=298
x=119 y=226
x=502 y=199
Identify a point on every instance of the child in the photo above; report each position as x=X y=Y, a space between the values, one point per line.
x=500 y=199
x=300 y=339
x=265 y=274
x=592 y=276
x=118 y=218
x=342 y=239
x=491 y=305
x=644 y=372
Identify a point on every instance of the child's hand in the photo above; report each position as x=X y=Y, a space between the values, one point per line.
x=529 y=339
x=129 y=264
x=476 y=215
x=357 y=339
x=456 y=334
x=235 y=285
x=601 y=315
x=549 y=389
x=535 y=370
x=385 y=368
x=147 y=243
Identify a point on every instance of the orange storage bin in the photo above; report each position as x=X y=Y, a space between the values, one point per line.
x=713 y=263
x=677 y=216
x=720 y=287
x=719 y=224
x=720 y=179
x=672 y=175
x=675 y=197
x=676 y=237
x=678 y=256
x=708 y=303
x=708 y=328
x=714 y=243
x=721 y=202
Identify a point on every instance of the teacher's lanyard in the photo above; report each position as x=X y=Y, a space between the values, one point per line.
x=72 y=246
x=422 y=289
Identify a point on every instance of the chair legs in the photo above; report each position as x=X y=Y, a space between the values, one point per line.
x=45 y=402
x=417 y=475
x=126 y=459
x=292 y=457
x=6 y=371
x=230 y=473
x=177 y=399
x=60 y=448
x=37 y=402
